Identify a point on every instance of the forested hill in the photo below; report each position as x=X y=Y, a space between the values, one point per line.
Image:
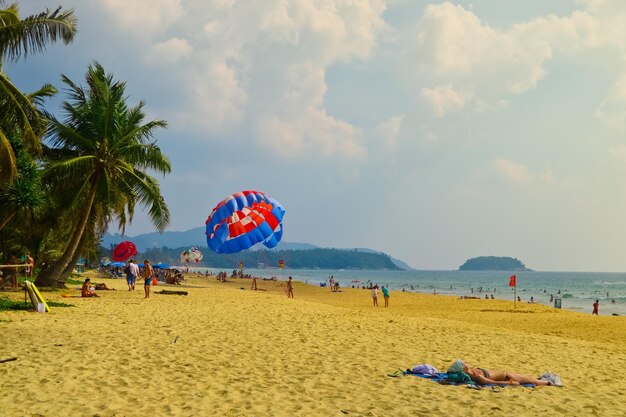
x=493 y=263
x=294 y=259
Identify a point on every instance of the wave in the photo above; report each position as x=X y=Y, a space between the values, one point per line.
x=609 y=282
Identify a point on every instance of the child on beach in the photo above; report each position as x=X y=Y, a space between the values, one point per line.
x=596 y=305
x=375 y=295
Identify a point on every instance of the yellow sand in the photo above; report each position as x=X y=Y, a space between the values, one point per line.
x=225 y=351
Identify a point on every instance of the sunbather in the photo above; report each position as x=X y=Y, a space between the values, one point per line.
x=86 y=291
x=489 y=376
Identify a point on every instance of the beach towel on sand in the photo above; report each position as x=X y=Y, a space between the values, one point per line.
x=443 y=378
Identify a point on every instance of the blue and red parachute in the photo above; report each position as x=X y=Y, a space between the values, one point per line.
x=244 y=219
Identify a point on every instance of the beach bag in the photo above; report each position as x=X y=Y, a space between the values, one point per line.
x=127 y=269
x=154 y=281
x=424 y=369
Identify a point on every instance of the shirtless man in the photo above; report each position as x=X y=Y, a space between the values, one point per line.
x=30 y=262
x=490 y=376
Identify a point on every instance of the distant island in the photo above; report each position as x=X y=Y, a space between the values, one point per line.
x=493 y=263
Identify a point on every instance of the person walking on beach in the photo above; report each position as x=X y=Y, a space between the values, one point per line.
x=386 y=295
x=253 y=286
x=148 y=273
x=289 y=288
x=129 y=275
x=375 y=295
x=134 y=270
x=596 y=305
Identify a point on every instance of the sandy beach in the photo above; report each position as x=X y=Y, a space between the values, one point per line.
x=224 y=350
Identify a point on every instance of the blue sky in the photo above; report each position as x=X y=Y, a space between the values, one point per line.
x=433 y=131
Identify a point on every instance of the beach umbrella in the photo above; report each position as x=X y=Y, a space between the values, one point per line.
x=105 y=261
x=124 y=251
x=161 y=266
x=116 y=264
x=191 y=255
x=244 y=219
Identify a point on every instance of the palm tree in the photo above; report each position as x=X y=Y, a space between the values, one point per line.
x=19 y=38
x=108 y=149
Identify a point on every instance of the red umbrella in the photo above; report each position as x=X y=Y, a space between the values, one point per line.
x=124 y=251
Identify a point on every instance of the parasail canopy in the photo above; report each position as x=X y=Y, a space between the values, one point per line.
x=244 y=219
x=124 y=251
x=191 y=255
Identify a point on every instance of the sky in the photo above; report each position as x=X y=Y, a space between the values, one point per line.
x=431 y=131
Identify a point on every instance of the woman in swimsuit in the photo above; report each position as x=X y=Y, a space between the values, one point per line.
x=489 y=376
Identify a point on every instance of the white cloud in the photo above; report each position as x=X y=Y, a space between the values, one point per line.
x=389 y=130
x=244 y=65
x=612 y=110
x=512 y=171
x=444 y=99
x=144 y=16
x=313 y=133
x=454 y=47
x=216 y=101
x=261 y=65
x=619 y=153
x=171 y=50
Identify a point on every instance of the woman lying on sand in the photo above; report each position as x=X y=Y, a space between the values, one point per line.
x=489 y=376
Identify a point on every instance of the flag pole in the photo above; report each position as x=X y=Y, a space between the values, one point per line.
x=515 y=297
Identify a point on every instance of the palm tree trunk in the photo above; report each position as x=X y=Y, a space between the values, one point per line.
x=51 y=276
x=6 y=220
x=70 y=267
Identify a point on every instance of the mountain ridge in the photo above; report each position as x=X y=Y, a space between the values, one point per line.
x=197 y=237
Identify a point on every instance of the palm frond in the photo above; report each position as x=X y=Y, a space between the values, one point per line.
x=8 y=163
x=21 y=37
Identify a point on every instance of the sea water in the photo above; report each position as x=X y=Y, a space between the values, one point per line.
x=577 y=290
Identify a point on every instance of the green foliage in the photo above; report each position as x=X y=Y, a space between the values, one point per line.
x=493 y=263
x=102 y=156
x=6 y=304
x=18 y=111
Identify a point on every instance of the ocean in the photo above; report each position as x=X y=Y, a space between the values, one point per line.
x=576 y=290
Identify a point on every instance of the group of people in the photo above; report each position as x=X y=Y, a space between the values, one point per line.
x=133 y=272
x=385 y=292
